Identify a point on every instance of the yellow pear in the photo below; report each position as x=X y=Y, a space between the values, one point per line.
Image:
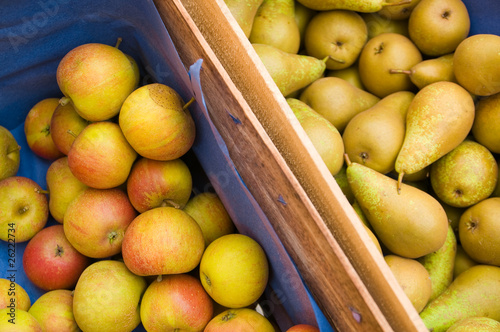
x=244 y=13
x=350 y=74
x=377 y=24
x=486 y=126
x=364 y=6
x=476 y=324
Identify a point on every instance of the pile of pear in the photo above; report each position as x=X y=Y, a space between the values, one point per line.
x=403 y=106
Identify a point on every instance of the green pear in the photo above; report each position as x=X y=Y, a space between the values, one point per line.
x=464 y=176
x=303 y=16
x=430 y=71
x=377 y=24
x=338 y=34
x=438 y=120
x=337 y=100
x=476 y=64
x=474 y=293
x=341 y=180
x=363 y=6
x=411 y=224
x=323 y=135
x=244 y=13
x=360 y=213
x=440 y=264
x=479 y=231
x=398 y=13
x=438 y=26
x=476 y=324
x=381 y=54
x=275 y=25
x=289 y=71
x=374 y=137
x=350 y=74
x=413 y=278
x=462 y=261
x=486 y=124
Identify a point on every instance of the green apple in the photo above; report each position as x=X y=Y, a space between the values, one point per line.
x=157 y=123
x=13 y=295
x=163 y=240
x=154 y=183
x=96 y=220
x=185 y=306
x=211 y=214
x=9 y=154
x=239 y=320
x=18 y=320
x=100 y=156
x=96 y=78
x=234 y=270
x=65 y=125
x=38 y=131
x=54 y=311
x=24 y=209
x=107 y=298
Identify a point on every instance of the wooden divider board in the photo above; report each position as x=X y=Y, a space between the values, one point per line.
x=340 y=264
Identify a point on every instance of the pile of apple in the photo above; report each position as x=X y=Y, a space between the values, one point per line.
x=132 y=242
x=403 y=107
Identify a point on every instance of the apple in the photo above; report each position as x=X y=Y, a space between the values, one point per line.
x=38 y=131
x=63 y=187
x=96 y=220
x=24 y=209
x=107 y=298
x=65 y=125
x=13 y=295
x=9 y=154
x=100 y=156
x=234 y=270
x=54 y=311
x=157 y=123
x=17 y=320
x=163 y=240
x=185 y=306
x=239 y=320
x=209 y=212
x=154 y=183
x=303 y=328
x=50 y=261
x=96 y=78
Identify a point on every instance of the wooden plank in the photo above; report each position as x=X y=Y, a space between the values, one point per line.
x=248 y=74
x=330 y=276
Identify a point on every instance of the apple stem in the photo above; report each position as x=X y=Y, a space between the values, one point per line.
x=188 y=103
x=59 y=251
x=14 y=150
x=400 y=181
x=168 y=202
x=118 y=42
x=71 y=133
x=64 y=101
x=112 y=237
x=159 y=278
x=41 y=191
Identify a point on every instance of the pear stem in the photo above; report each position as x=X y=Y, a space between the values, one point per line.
x=399 y=3
x=17 y=148
x=118 y=42
x=400 y=181
x=347 y=159
x=186 y=105
x=64 y=101
x=400 y=71
x=335 y=59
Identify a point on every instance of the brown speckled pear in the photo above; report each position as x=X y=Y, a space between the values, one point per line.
x=476 y=324
x=363 y=6
x=244 y=13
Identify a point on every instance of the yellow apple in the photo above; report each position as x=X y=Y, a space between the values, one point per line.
x=239 y=320
x=13 y=295
x=54 y=311
x=18 y=320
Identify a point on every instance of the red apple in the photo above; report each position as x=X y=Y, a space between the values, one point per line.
x=54 y=311
x=65 y=125
x=163 y=240
x=100 y=156
x=96 y=220
x=303 y=328
x=185 y=306
x=9 y=154
x=154 y=183
x=37 y=129
x=50 y=261
x=239 y=320
x=24 y=209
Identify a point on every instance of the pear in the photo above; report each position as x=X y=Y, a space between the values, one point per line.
x=464 y=176
x=341 y=180
x=382 y=53
x=411 y=224
x=486 y=126
x=274 y=24
x=323 y=135
x=374 y=137
x=438 y=120
x=10 y=154
x=398 y=13
x=289 y=71
x=337 y=100
x=476 y=324
x=338 y=34
x=361 y=215
x=454 y=213
x=373 y=238
x=350 y=74
x=377 y=24
x=476 y=64
x=303 y=16
x=363 y=6
x=462 y=261
x=474 y=293
x=244 y=13
x=430 y=71
x=440 y=264
x=413 y=278
x=479 y=231
x=438 y=26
